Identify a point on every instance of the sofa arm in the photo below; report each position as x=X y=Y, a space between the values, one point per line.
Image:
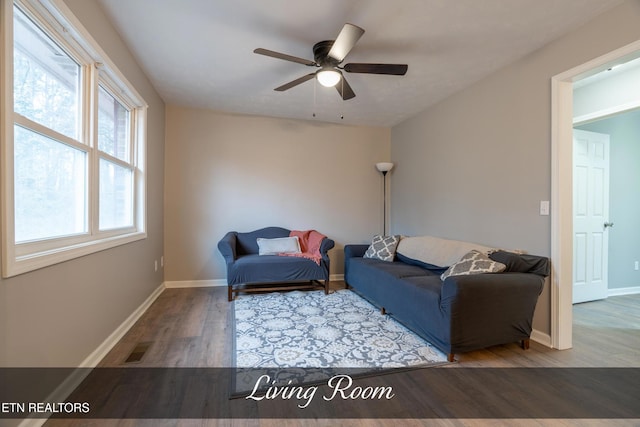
x=500 y=286
x=352 y=251
x=227 y=247
x=326 y=245
x=489 y=309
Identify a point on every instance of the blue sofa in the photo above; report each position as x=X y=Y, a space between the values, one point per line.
x=459 y=314
x=247 y=271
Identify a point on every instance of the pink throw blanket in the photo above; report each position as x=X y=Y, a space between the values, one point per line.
x=310 y=241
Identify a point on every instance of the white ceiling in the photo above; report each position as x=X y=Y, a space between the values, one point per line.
x=199 y=53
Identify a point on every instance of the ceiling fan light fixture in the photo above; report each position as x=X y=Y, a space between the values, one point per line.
x=328 y=55
x=328 y=77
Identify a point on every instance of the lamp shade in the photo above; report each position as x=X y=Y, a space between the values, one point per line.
x=384 y=166
x=328 y=77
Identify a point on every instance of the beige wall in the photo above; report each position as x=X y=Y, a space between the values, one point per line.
x=229 y=172
x=57 y=316
x=475 y=166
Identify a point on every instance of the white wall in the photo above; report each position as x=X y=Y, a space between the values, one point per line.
x=475 y=166
x=229 y=172
x=610 y=90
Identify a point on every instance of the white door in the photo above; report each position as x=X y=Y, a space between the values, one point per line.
x=590 y=215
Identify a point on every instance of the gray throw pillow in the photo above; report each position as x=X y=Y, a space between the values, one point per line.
x=383 y=248
x=473 y=262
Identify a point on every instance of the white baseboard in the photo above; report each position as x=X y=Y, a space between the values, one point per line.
x=219 y=282
x=63 y=391
x=195 y=283
x=631 y=290
x=541 y=338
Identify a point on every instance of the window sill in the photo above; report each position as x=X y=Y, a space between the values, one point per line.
x=14 y=266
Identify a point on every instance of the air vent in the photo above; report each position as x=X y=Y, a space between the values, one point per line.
x=138 y=352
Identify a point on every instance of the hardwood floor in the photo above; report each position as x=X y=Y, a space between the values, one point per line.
x=191 y=328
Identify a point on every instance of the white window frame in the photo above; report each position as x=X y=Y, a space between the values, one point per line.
x=55 y=18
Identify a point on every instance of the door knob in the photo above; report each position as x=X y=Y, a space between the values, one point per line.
x=608 y=224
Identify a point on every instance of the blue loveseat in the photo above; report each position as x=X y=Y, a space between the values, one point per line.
x=247 y=271
x=461 y=313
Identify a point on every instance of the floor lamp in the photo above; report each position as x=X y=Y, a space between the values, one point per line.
x=384 y=167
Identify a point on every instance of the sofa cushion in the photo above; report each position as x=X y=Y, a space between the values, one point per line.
x=433 y=268
x=383 y=248
x=279 y=245
x=436 y=251
x=373 y=268
x=273 y=268
x=474 y=262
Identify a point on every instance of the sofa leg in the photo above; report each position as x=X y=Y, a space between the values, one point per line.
x=230 y=292
x=450 y=358
x=383 y=311
x=525 y=343
x=326 y=287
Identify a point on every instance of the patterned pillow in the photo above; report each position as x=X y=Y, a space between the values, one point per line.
x=383 y=248
x=474 y=262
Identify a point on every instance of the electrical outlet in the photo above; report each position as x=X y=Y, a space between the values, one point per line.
x=155 y=265
x=636 y=266
x=162 y=261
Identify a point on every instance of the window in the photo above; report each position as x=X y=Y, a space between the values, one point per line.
x=116 y=174
x=72 y=141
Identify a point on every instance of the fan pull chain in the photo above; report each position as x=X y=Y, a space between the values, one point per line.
x=315 y=83
x=342 y=96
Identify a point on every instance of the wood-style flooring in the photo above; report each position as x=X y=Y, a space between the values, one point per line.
x=191 y=328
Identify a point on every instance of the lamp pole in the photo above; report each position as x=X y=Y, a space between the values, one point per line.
x=384 y=167
x=384 y=203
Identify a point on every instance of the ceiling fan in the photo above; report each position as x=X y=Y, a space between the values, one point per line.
x=328 y=55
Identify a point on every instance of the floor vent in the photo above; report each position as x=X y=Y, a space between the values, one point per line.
x=138 y=352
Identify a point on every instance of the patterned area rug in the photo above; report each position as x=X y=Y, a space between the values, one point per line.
x=318 y=335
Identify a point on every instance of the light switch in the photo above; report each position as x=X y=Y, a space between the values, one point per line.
x=544 y=207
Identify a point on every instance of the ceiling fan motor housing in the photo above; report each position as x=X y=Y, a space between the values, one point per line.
x=321 y=54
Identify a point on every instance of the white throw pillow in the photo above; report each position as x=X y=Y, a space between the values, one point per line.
x=437 y=251
x=279 y=245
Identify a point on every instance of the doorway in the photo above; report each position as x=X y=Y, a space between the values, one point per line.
x=620 y=227
x=562 y=187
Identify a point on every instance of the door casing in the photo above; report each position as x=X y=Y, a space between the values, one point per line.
x=561 y=278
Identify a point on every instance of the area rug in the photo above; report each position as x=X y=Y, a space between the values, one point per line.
x=299 y=336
